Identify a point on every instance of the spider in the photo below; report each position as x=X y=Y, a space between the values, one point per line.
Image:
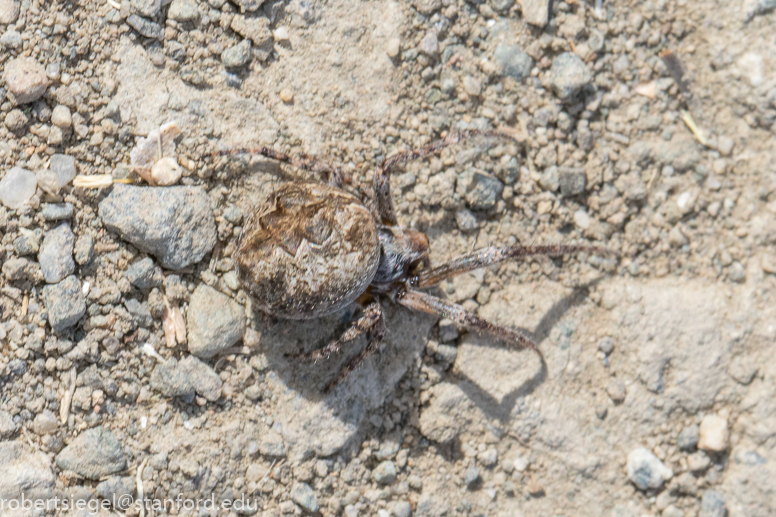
x=310 y=249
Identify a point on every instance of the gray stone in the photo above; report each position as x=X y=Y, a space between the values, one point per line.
x=139 y=312
x=144 y=274
x=737 y=272
x=183 y=11
x=384 y=473
x=172 y=381
x=483 y=192
x=249 y=5
x=536 y=12
x=16 y=120
x=569 y=75
x=24 y=471
x=94 y=454
x=466 y=220
x=64 y=302
x=215 y=322
x=45 y=422
x=17 y=269
x=606 y=345
x=472 y=476
x=514 y=61
x=57 y=211
x=238 y=55
x=7 y=425
x=174 y=224
x=549 y=180
x=147 y=8
x=26 y=79
x=56 y=254
x=713 y=504
x=429 y=45
x=502 y=5
x=430 y=505
x=206 y=382
x=64 y=167
x=117 y=489
x=572 y=182
x=9 y=11
x=145 y=27
x=303 y=495
x=645 y=470
x=17 y=187
x=402 y=509
x=26 y=244
x=11 y=39
x=84 y=249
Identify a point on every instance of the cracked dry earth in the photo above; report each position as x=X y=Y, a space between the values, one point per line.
x=131 y=358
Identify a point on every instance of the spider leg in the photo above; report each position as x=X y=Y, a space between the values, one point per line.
x=492 y=255
x=376 y=336
x=372 y=314
x=424 y=302
x=382 y=182
x=304 y=162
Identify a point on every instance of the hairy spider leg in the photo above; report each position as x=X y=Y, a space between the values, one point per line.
x=425 y=302
x=492 y=255
x=305 y=162
x=382 y=183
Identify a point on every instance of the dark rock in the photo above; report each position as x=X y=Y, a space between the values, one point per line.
x=171 y=381
x=94 y=454
x=206 y=382
x=65 y=303
x=572 y=181
x=514 y=61
x=174 y=224
x=569 y=75
x=144 y=274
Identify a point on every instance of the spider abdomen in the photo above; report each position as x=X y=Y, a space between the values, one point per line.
x=308 y=250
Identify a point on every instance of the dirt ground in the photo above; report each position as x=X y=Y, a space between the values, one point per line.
x=657 y=396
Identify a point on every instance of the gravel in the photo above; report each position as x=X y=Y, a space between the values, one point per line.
x=569 y=75
x=205 y=381
x=64 y=167
x=572 y=182
x=688 y=438
x=93 y=454
x=84 y=249
x=483 y=191
x=17 y=187
x=536 y=12
x=26 y=79
x=65 y=303
x=514 y=61
x=183 y=11
x=145 y=27
x=174 y=224
x=215 y=322
x=57 y=211
x=645 y=470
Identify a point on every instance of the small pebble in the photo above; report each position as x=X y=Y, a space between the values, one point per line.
x=16 y=120
x=17 y=187
x=725 y=145
x=56 y=254
x=466 y=220
x=536 y=12
x=64 y=167
x=713 y=505
x=144 y=274
x=429 y=45
x=514 y=61
x=147 y=8
x=238 y=55
x=60 y=116
x=26 y=79
x=304 y=496
x=93 y=454
x=472 y=86
x=384 y=473
x=688 y=438
x=472 y=476
x=569 y=75
x=645 y=470
x=214 y=322
x=57 y=211
x=393 y=47
x=183 y=11
x=698 y=461
x=145 y=27
x=616 y=390
x=11 y=39
x=64 y=302
x=286 y=95
x=84 y=249
x=713 y=434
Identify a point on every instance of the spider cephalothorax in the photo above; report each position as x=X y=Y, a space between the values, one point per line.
x=310 y=249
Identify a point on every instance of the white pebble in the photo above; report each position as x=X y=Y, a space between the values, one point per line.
x=60 y=116
x=17 y=187
x=280 y=34
x=582 y=219
x=645 y=470
x=393 y=47
x=713 y=434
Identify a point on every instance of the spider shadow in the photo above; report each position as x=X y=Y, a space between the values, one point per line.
x=502 y=410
